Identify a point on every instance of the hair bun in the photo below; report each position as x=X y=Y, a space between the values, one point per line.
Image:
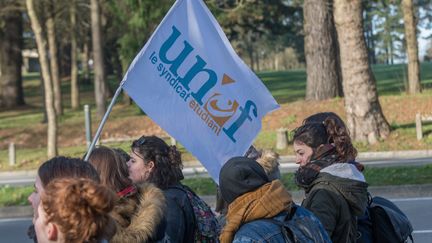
x=80 y=207
x=98 y=197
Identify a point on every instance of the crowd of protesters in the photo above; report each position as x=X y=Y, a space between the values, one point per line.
x=138 y=196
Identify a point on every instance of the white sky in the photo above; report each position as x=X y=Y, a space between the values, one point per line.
x=423 y=43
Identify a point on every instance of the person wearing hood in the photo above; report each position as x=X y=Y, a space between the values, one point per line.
x=268 y=159
x=335 y=188
x=252 y=198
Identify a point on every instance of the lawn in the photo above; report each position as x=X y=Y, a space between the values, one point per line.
x=24 y=126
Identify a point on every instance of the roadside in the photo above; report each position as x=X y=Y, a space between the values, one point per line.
x=391 y=192
x=194 y=167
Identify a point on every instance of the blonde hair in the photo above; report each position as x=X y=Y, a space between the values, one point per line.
x=269 y=160
x=80 y=209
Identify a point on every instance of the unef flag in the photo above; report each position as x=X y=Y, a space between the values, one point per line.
x=189 y=80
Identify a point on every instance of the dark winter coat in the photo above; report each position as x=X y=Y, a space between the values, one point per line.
x=336 y=196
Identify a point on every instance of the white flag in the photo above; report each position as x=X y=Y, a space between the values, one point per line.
x=189 y=80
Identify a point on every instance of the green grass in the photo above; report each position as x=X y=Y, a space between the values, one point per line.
x=399 y=175
x=289 y=86
x=406 y=175
x=205 y=186
x=411 y=175
x=286 y=86
x=14 y=196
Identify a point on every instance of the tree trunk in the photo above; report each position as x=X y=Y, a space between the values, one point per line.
x=119 y=67
x=11 y=59
x=391 y=51
x=365 y=119
x=85 y=62
x=320 y=50
x=251 y=58
x=99 y=72
x=53 y=53
x=372 y=42
x=49 y=99
x=257 y=58
x=74 y=59
x=387 y=55
x=42 y=91
x=412 y=47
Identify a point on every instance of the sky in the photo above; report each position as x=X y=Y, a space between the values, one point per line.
x=423 y=43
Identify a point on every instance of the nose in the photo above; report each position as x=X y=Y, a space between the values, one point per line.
x=297 y=159
x=30 y=198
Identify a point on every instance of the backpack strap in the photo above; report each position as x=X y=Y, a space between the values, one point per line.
x=288 y=235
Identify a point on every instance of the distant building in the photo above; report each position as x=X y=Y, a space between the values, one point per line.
x=30 y=61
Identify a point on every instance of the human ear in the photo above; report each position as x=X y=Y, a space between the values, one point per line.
x=52 y=231
x=151 y=165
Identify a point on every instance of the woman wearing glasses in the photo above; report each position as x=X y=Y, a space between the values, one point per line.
x=152 y=160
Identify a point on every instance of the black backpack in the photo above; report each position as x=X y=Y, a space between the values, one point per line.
x=383 y=222
x=300 y=225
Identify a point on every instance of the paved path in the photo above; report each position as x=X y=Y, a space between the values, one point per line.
x=416 y=208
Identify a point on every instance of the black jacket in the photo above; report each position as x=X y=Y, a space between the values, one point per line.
x=179 y=215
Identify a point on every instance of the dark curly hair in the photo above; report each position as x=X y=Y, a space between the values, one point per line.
x=167 y=160
x=326 y=128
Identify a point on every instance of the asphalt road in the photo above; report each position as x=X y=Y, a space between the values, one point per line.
x=417 y=210
x=287 y=165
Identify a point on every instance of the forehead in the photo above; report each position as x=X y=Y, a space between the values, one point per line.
x=300 y=146
x=134 y=154
x=38 y=182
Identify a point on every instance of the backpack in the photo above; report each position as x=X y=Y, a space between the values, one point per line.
x=301 y=225
x=207 y=226
x=383 y=222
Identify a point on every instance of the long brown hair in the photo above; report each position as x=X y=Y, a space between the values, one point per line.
x=80 y=208
x=330 y=131
x=111 y=167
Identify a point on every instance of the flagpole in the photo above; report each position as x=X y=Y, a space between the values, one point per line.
x=104 y=119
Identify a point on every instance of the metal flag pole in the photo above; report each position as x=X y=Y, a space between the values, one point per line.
x=104 y=119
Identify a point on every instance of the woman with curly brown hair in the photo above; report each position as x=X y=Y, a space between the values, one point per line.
x=336 y=190
x=75 y=210
x=152 y=160
x=57 y=167
x=139 y=212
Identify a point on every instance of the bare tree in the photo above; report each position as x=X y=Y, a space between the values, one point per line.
x=41 y=43
x=321 y=51
x=53 y=52
x=11 y=30
x=99 y=71
x=74 y=57
x=365 y=119
x=412 y=47
x=85 y=57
